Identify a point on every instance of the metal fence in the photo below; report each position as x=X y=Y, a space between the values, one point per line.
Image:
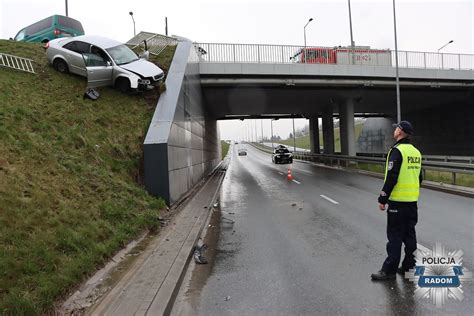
x=156 y=42
x=287 y=54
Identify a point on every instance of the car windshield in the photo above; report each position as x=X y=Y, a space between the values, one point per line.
x=282 y=151
x=122 y=54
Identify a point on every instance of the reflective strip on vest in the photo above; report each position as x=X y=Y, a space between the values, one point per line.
x=407 y=188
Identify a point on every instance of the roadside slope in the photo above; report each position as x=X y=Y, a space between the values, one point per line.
x=69 y=180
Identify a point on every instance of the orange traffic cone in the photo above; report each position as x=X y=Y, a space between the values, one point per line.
x=289 y=176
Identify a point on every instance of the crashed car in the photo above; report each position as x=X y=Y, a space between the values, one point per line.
x=281 y=154
x=242 y=152
x=104 y=62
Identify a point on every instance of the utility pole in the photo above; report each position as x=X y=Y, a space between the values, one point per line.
x=166 y=25
x=397 y=80
x=67 y=14
x=294 y=137
x=352 y=38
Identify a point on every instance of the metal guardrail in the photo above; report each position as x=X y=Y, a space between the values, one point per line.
x=15 y=62
x=156 y=42
x=459 y=159
x=341 y=160
x=284 y=54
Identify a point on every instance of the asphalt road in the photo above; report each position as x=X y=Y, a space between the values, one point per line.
x=308 y=247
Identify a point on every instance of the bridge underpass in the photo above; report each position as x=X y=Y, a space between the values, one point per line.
x=201 y=89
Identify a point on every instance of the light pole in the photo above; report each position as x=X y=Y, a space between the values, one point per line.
x=66 y=9
x=350 y=26
x=131 y=14
x=442 y=60
x=294 y=139
x=261 y=126
x=397 y=80
x=304 y=32
x=271 y=129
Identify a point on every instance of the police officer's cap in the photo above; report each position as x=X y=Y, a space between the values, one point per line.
x=405 y=126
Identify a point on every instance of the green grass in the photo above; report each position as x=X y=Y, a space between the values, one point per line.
x=303 y=142
x=70 y=192
x=225 y=148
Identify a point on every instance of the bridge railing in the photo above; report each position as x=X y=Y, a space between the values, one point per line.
x=288 y=54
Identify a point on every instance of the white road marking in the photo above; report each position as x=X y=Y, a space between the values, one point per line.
x=329 y=199
x=297 y=182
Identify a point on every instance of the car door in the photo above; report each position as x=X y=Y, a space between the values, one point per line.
x=73 y=54
x=99 y=70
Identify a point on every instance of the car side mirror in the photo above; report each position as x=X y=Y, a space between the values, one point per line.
x=145 y=55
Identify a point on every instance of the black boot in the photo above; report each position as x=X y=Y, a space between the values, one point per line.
x=382 y=275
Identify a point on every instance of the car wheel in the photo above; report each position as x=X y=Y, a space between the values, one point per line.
x=60 y=65
x=123 y=85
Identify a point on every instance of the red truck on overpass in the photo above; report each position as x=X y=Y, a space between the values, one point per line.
x=361 y=55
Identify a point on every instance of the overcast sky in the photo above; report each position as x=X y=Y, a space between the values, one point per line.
x=422 y=25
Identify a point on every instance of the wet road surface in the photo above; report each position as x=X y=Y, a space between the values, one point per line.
x=308 y=247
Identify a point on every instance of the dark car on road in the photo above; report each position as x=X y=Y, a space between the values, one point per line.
x=281 y=154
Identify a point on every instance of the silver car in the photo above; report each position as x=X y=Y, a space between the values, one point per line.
x=104 y=62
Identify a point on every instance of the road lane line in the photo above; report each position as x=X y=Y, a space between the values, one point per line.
x=297 y=182
x=329 y=199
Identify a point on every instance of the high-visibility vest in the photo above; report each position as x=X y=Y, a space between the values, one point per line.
x=407 y=188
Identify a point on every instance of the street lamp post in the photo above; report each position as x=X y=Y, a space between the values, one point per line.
x=442 y=60
x=261 y=126
x=304 y=32
x=350 y=26
x=397 y=80
x=271 y=131
x=131 y=14
x=294 y=137
x=66 y=9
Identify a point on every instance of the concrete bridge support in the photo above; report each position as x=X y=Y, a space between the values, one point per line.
x=328 y=130
x=347 y=128
x=314 y=134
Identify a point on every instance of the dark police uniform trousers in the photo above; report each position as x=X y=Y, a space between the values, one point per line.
x=401 y=220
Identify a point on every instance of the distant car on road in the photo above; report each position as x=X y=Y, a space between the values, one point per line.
x=242 y=152
x=53 y=27
x=104 y=62
x=281 y=154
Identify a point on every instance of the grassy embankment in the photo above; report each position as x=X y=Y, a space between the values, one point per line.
x=70 y=192
x=225 y=148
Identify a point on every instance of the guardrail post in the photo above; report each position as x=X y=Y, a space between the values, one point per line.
x=454 y=178
x=233 y=48
x=459 y=61
x=258 y=54
x=424 y=59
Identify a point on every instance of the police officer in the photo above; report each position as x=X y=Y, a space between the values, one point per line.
x=400 y=191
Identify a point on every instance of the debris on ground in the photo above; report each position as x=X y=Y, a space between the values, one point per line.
x=293 y=204
x=91 y=94
x=227 y=298
x=199 y=250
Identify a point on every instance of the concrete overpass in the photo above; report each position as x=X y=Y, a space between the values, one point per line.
x=209 y=82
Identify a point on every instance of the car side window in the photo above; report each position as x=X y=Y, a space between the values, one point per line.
x=99 y=52
x=78 y=47
x=20 y=35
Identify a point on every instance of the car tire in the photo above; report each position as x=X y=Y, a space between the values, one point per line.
x=61 y=66
x=122 y=85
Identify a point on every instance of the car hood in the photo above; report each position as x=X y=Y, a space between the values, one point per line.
x=143 y=68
